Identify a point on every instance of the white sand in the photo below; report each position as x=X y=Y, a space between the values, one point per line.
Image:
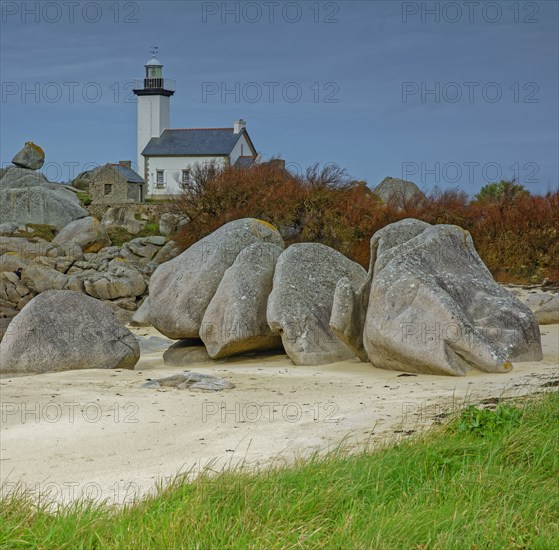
x=98 y=434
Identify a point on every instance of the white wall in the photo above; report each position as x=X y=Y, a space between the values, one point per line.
x=236 y=153
x=172 y=167
x=153 y=119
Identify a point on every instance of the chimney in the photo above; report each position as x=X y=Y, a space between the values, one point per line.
x=239 y=125
x=127 y=163
x=277 y=163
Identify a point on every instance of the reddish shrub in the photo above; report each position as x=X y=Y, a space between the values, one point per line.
x=517 y=236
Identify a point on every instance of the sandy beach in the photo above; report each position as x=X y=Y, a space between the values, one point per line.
x=98 y=434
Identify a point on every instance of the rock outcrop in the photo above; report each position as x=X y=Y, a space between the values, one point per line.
x=114 y=274
x=27 y=196
x=169 y=223
x=143 y=250
x=40 y=278
x=120 y=280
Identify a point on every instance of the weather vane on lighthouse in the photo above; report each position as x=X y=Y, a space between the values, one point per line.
x=154 y=50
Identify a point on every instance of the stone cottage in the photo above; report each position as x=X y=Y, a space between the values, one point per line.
x=112 y=184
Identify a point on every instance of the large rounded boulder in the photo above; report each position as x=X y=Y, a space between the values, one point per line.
x=235 y=320
x=300 y=304
x=181 y=289
x=66 y=330
x=433 y=306
x=398 y=192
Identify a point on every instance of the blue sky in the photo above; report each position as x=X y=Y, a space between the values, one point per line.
x=362 y=70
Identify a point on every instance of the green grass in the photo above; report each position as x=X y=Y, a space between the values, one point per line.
x=46 y=232
x=119 y=236
x=486 y=479
x=84 y=198
x=149 y=230
x=158 y=201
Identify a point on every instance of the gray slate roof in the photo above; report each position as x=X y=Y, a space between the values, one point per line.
x=196 y=141
x=128 y=173
x=245 y=162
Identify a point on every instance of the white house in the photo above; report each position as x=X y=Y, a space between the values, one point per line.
x=166 y=156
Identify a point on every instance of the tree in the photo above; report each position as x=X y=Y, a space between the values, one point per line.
x=329 y=176
x=501 y=191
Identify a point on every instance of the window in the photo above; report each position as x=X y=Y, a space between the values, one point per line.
x=108 y=188
x=186 y=176
x=159 y=178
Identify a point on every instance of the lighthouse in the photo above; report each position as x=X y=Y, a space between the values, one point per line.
x=167 y=157
x=154 y=94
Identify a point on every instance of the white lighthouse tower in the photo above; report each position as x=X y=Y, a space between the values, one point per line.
x=154 y=94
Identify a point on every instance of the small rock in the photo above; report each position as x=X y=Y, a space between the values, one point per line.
x=152 y=344
x=141 y=316
x=186 y=352
x=190 y=381
x=8 y=229
x=87 y=233
x=41 y=278
x=545 y=306
x=170 y=223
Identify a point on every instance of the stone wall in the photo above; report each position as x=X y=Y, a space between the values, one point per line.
x=134 y=192
x=109 y=187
